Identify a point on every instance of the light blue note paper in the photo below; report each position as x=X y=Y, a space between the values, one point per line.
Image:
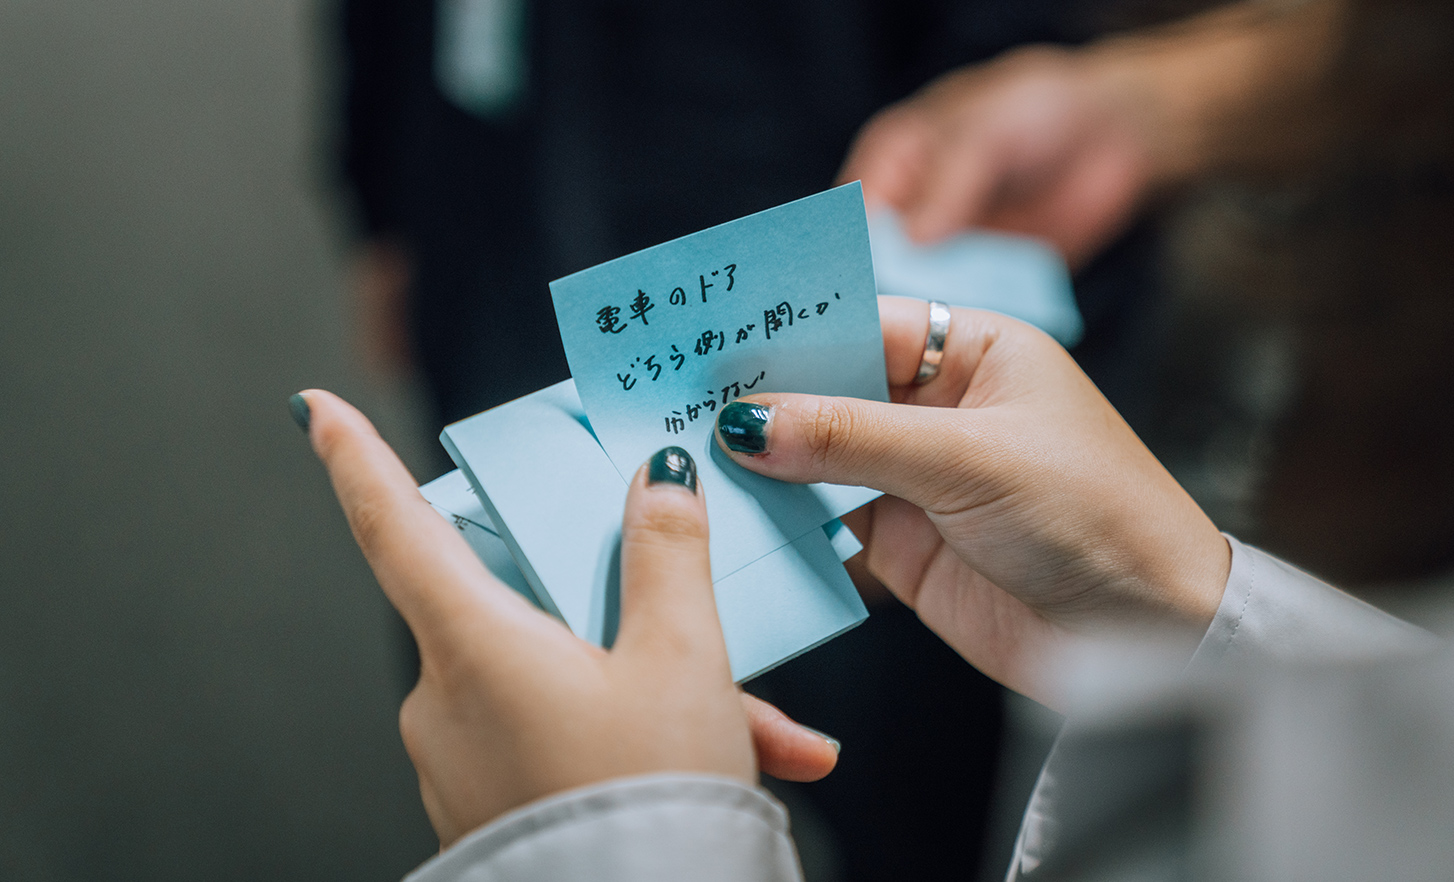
x=541 y=478
x=1015 y=275
x=452 y=496
x=780 y=301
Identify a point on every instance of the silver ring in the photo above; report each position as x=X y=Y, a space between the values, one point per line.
x=934 y=342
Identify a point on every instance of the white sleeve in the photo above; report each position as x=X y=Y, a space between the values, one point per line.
x=652 y=827
x=1272 y=612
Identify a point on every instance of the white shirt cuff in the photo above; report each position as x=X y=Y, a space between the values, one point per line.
x=651 y=827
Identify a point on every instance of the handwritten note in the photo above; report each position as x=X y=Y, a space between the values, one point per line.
x=780 y=301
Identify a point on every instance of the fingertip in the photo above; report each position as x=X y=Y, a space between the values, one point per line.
x=331 y=420
x=657 y=507
x=743 y=426
x=672 y=467
x=831 y=741
x=299 y=410
x=786 y=749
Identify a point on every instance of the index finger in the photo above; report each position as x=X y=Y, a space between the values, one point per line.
x=426 y=569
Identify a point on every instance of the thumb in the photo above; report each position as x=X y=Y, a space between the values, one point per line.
x=914 y=453
x=668 y=611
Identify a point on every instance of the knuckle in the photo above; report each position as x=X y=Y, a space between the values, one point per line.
x=368 y=518
x=828 y=430
x=672 y=650
x=673 y=524
x=969 y=471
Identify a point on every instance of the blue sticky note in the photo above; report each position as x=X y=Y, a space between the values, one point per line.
x=452 y=496
x=785 y=604
x=779 y=301
x=845 y=544
x=1015 y=275
x=541 y=477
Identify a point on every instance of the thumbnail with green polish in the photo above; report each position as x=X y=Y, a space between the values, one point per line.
x=743 y=426
x=673 y=465
x=298 y=405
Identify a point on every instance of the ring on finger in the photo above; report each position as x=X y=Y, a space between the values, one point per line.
x=934 y=342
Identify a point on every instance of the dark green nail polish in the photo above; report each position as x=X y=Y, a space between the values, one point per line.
x=298 y=405
x=672 y=464
x=743 y=426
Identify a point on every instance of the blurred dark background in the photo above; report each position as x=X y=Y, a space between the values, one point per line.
x=198 y=676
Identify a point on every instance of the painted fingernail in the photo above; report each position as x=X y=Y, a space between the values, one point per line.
x=298 y=405
x=832 y=742
x=743 y=426
x=674 y=466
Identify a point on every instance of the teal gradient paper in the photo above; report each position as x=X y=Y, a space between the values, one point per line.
x=541 y=478
x=452 y=496
x=1015 y=275
x=779 y=301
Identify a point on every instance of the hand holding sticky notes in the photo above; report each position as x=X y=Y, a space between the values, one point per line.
x=658 y=341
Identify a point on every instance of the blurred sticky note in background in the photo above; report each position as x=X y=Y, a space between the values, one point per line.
x=480 y=57
x=1015 y=275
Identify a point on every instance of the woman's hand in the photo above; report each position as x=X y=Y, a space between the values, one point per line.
x=1023 y=512
x=510 y=705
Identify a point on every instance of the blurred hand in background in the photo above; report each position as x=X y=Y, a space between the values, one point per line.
x=1036 y=142
x=1070 y=144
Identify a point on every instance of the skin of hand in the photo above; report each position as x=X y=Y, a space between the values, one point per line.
x=382 y=273
x=1069 y=144
x=1035 y=142
x=510 y=705
x=1022 y=513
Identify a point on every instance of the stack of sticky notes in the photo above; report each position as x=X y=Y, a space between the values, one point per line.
x=658 y=341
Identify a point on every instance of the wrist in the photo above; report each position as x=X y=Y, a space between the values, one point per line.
x=1185 y=577
x=1154 y=89
x=1168 y=560
x=1237 y=89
